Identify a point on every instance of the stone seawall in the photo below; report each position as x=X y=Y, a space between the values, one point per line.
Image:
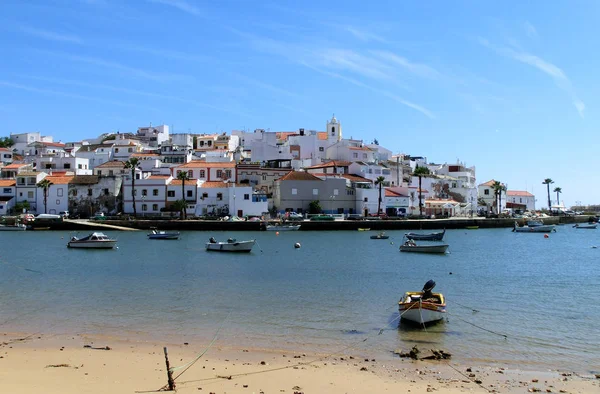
x=216 y=225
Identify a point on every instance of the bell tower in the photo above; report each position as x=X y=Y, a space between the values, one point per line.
x=334 y=130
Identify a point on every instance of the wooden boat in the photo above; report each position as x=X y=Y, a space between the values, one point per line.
x=15 y=227
x=472 y=227
x=231 y=245
x=157 y=234
x=411 y=246
x=435 y=236
x=534 y=227
x=422 y=307
x=95 y=240
x=283 y=227
x=381 y=235
x=364 y=229
x=586 y=226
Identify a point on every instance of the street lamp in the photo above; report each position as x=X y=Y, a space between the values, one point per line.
x=331 y=198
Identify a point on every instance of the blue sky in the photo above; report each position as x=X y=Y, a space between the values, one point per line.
x=509 y=88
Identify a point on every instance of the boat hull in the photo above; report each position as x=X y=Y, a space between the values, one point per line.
x=92 y=244
x=546 y=228
x=380 y=236
x=426 y=237
x=291 y=227
x=586 y=226
x=233 y=247
x=413 y=309
x=439 y=249
x=13 y=228
x=164 y=236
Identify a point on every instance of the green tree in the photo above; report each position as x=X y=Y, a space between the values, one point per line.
x=45 y=185
x=314 y=207
x=498 y=189
x=379 y=181
x=547 y=182
x=132 y=164
x=557 y=190
x=183 y=176
x=420 y=172
x=6 y=142
x=180 y=205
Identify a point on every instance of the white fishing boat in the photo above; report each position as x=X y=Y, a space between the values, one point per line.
x=411 y=246
x=95 y=240
x=534 y=227
x=422 y=307
x=158 y=234
x=15 y=227
x=589 y=226
x=283 y=227
x=231 y=245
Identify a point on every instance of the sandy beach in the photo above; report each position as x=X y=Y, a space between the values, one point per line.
x=94 y=364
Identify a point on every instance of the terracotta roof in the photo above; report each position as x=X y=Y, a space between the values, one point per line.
x=283 y=135
x=417 y=189
x=331 y=164
x=7 y=182
x=56 y=144
x=322 y=135
x=176 y=181
x=59 y=180
x=28 y=173
x=6 y=198
x=213 y=185
x=159 y=177
x=144 y=154
x=298 y=176
x=359 y=148
x=14 y=166
x=112 y=164
x=84 y=180
x=356 y=178
x=92 y=147
x=391 y=193
x=519 y=193
x=441 y=202
x=488 y=183
x=4 y=149
x=205 y=164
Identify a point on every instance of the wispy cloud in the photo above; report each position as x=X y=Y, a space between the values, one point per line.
x=52 y=92
x=50 y=35
x=530 y=30
x=188 y=57
x=265 y=86
x=180 y=5
x=421 y=70
x=363 y=35
x=556 y=73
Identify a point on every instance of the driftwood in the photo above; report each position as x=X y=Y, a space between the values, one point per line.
x=414 y=354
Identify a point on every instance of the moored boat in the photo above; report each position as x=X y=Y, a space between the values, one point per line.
x=364 y=229
x=435 y=236
x=534 y=227
x=95 y=240
x=231 y=245
x=422 y=307
x=158 y=234
x=411 y=246
x=589 y=226
x=283 y=227
x=381 y=235
x=15 y=227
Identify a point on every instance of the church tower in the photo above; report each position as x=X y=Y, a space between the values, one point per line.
x=334 y=130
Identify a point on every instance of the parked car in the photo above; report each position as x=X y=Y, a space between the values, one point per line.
x=322 y=218
x=64 y=214
x=294 y=216
x=380 y=215
x=355 y=216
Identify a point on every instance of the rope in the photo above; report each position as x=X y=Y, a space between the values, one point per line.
x=258 y=246
x=481 y=328
x=464 y=306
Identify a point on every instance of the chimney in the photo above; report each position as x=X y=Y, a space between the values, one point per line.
x=301 y=131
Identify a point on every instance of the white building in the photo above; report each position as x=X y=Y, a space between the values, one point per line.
x=487 y=195
x=6 y=156
x=57 y=198
x=208 y=171
x=372 y=171
x=520 y=201
x=150 y=195
x=395 y=202
x=111 y=168
x=62 y=162
x=93 y=193
x=227 y=197
x=7 y=195
x=27 y=190
x=154 y=136
x=22 y=140
x=97 y=154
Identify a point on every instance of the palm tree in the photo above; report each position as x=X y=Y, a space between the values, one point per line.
x=547 y=182
x=498 y=189
x=180 y=205
x=379 y=181
x=557 y=190
x=183 y=176
x=421 y=172
x=45 y=185
x=132 y=164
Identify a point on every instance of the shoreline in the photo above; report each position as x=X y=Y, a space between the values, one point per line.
x=78 y=363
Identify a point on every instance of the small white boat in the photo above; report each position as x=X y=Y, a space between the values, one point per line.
x=411 y=246
x=15 y=227
x=95 y=240
x=534 y=227
x=586 y=226
x=231 y=245
x=283 y=227
x=422 y=307
x=381 y=235
x=157 y=234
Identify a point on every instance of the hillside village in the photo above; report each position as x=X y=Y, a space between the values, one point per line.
x=155 y=173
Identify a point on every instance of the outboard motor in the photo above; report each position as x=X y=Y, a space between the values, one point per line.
x=429 y=286
x=212 y=240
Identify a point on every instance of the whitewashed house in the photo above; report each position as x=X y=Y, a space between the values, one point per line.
x=27 y=189
x=6 y=156
x=395 y=203
x=372 y=171
x=488 y=198
x=218 y=197
x=7 y=195
x=89 y=194
x=57 y=196
x=97 y=154
x=176 y=187
x=150 y=195
x=61 y=161
x=153 y=136
x=22 y=140
x=520 y=201
x=114 y=168
x=208 y=171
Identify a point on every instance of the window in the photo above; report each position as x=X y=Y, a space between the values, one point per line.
x=209 y=143
x=89 y=192
x=155 y=192
x=355 y=155
x=204 y=195
x=202 y=174
x=171 y=193
x=315 y=192
x=144 y=192
x=75 y=193
x=294 y=191
x=67 y=166
x=6 y=190
x=219 y=173
x=333 y=130
x=59 y=192
x=144 y=207
x=116 y=150
x=453 y=185
x=366 y=199
x=486 y=192
x=228 y=173
x=364 y=155
x=99 y=173
x=29 y=194
x=336 y=192
x=111 y=173
x=130 y=150
x=246 y=196
x=219 y=196
x=155 y=207
x=57 y=203
x=190 y=174
x=264 y=177
x=520 y=200
x=190 y=193
x=321 y=149
x=106 y=193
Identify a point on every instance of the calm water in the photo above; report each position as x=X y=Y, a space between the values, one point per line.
x=336 y=290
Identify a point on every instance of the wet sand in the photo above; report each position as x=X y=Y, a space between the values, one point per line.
x=96 y=364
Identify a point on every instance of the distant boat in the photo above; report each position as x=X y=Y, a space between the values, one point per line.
x=435 y=248
x=231 y=245
x=422 y=307
x=95 y=240
x=157 y=234
x=283 y=227
x=586 y=226
x=472 y=227
x=364 y=229
x=534 y=226
x=381 y=235
x=435 y=236
x=15 y=227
